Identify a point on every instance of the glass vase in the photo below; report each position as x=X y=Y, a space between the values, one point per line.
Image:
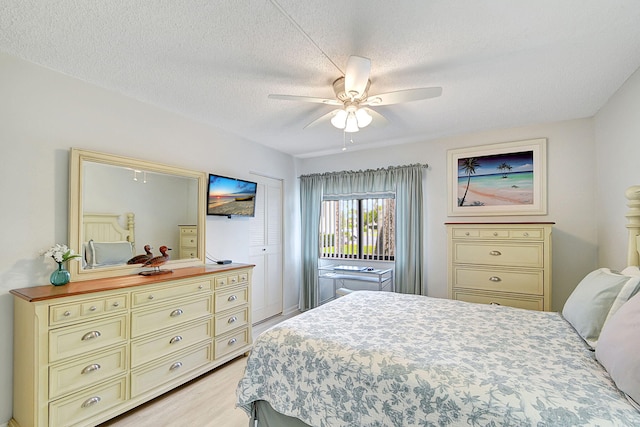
x=60 y=276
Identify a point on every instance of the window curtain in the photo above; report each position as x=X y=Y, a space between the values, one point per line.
x=405 y=182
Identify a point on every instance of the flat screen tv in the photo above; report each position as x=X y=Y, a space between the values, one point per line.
x=230 y=196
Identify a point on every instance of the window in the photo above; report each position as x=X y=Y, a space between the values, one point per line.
x=358 y=229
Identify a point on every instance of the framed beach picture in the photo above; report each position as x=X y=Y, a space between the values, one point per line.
x=499 y=179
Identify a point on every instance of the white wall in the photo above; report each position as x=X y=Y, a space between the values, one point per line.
x=617 y=135
x=570 y=164
x=42 y=115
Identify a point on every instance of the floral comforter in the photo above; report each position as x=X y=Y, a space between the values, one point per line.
x=387 y=359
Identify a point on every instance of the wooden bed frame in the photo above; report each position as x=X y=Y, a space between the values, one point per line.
x=102 y=227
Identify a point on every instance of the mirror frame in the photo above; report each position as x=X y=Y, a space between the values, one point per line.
x=76 y=187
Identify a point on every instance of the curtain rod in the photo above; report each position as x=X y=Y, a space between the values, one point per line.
x=422 y=165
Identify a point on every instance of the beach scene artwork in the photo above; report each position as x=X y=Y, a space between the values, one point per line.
x=496 y=180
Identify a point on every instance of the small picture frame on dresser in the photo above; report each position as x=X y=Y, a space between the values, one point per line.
x=509 y=178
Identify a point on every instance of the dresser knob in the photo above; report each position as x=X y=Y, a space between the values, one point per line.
x=495 y=234
x=232 y=319
x=116 y=304
x=495 y=253
x=467 y=233
x=90 y=368
x=232 y=341
x=177 y=312
x=526 y=234
x=67 y=313
x=200 y=287
x=91 y=401
x=232 y=298
x=175 y=366
x=151 y=297
x=91 y=335
x=495 y=279
x=175 y=339
x=93 y=308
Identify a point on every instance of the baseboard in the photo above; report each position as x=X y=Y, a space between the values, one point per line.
x=289 y=311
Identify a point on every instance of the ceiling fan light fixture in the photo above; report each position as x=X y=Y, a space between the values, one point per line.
x=339 y=120
x=363 y=117
x=352 y=123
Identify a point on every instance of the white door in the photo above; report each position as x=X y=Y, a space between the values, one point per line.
x=266 y=250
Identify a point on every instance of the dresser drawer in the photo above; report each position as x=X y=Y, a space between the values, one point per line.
x=171 y=368
x=169 y=315
x=231 y=342
x=515 y=255
x=188 y=241
x=228 y=321
x=231 y=298
x=513 y=281
x=187 y=252
x=532 y=233
x=188 y=231
x=147 y=349
x=95 y=369
x=231 y=280
x=86 y=404
x=86 y=337
x=529 y=304
x=65 y=313
x=170 y=292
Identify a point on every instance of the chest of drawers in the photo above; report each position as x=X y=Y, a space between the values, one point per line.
x=500 y=263
x=188 y=241
x=88 y=351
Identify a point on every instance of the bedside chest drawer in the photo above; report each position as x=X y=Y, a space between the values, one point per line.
x=231 y=320
x=522 y=255
x=229 y=343
x=89 y=403
x=170 y=293
x=86 y=337
x=145 y=350
x=529 y=304
x=169 y=369
x=169 y=315
x=525 y=282
x=65 y=378
x=231 y=298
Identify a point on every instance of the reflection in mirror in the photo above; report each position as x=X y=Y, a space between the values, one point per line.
x=119 y=205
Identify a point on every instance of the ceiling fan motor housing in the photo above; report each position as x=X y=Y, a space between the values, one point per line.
x=338 y=88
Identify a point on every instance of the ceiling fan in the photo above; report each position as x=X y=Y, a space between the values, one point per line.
x=354 y=101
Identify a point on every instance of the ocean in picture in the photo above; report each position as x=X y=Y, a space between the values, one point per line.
x=515 y=188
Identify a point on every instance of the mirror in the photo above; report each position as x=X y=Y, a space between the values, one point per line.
x=117 y=205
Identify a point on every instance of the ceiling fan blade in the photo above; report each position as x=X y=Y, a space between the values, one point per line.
x=325 y=101
x=356 y=76
x=325 y=118
x=400 y=96
x=378 y=119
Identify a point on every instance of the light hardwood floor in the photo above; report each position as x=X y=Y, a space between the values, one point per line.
x=207 y=401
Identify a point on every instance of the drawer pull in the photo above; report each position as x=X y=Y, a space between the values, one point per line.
x=177 y=312
x=175 y=366
x=151 y=297
x=91 y=401
x=91 y=335
x=175 y=339
x=526 y=234
x=93 y=308
x=232 y=298
x=200 y=287
x=67 y=313
x=90 y=368
x=232 y=319
x=233 y=280
x=232 y=341
x=495 y=279
x=467 y=233
x=495 y=234
x=495 y=253
x=116 y=304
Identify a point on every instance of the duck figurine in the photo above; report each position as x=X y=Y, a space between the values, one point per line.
x=156 y=262
x=141 y=259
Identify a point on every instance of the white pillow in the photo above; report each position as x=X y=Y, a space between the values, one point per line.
x=600 y=294
x=632 y=270
x=619 y=347
x=110 y=253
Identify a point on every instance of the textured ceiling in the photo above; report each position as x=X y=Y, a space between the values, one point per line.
x=501 y=63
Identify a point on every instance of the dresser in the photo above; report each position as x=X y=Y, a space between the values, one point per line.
x=188 y=241
x=88 y=351
x=500 y=263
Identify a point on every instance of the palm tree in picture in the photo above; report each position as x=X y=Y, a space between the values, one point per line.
x=504 y=167
x=469 y=166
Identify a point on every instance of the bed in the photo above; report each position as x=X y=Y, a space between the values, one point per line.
x=106 y=242
x=388 y=359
